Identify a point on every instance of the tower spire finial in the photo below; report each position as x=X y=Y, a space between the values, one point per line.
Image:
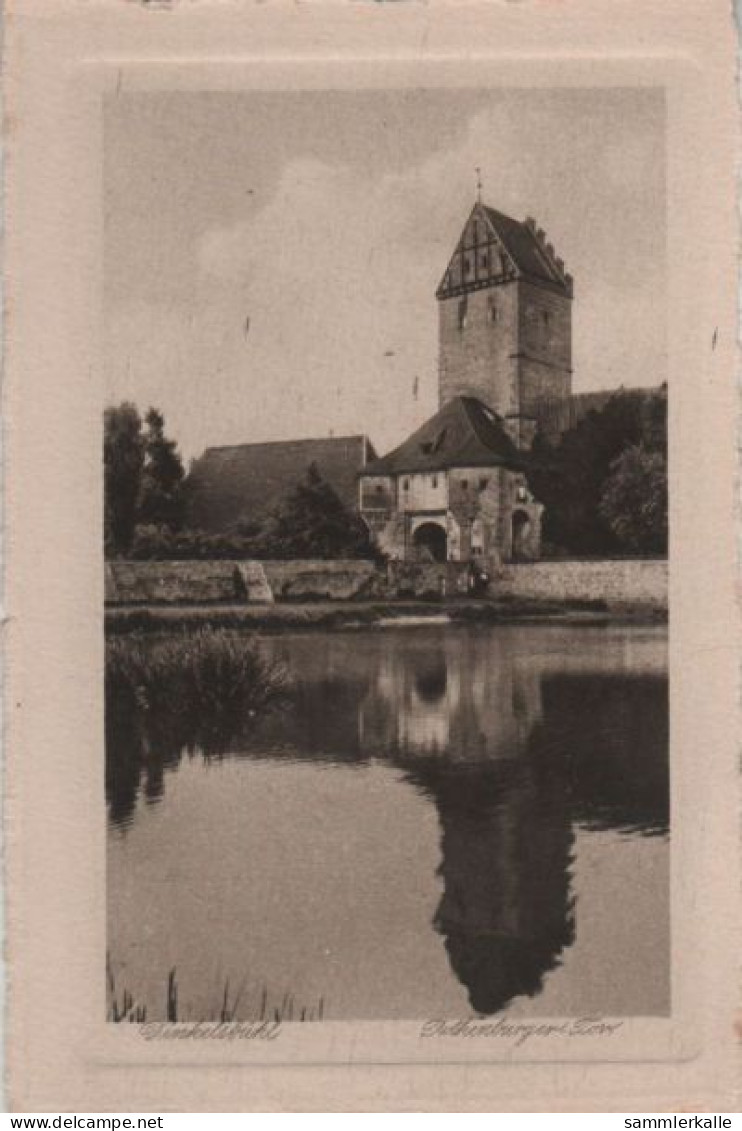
x=479 y=184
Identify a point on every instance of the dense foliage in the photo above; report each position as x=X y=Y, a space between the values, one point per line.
x=123 y=460
x=143 y=477
x=634 y=500
x=313 y=522
x=161 y=497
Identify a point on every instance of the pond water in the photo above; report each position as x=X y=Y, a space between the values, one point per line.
x=444 y=822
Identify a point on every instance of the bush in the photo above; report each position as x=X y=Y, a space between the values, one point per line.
x=158 y=543
x=634 y=502
x=212 y=671
x=571 y=478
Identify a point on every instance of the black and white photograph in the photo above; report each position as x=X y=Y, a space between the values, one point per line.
x=385 y=538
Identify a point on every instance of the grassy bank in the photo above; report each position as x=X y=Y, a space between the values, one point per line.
x=356 y=614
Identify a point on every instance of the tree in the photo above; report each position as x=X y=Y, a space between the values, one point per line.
x=634 y=500
x=569 y=479
x=123 y=460
x=161 y=498
x=143 y=476
x=313 y=522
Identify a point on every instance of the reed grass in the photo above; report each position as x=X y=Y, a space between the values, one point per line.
x=227 y=1006
x=209 y=668
x=195 y=691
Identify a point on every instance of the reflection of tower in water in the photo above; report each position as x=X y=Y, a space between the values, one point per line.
x=513 y=743
x=505 y=912
x=447 y=698
x=461 y=731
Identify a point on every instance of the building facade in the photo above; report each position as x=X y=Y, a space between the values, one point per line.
x=456 y=490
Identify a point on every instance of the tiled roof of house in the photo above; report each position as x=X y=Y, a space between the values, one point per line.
x=464 y=433
x=245 y=482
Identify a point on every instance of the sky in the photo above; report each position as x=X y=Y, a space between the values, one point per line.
x=271 y=258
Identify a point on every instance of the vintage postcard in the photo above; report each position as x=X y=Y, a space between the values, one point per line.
x=372 y=649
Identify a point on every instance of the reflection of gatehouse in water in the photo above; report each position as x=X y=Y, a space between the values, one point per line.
x=515 y=750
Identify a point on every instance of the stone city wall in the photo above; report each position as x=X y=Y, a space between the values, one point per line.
x=208 y=582
x=635 y=583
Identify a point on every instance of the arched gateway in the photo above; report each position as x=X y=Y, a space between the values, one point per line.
x=430 y=542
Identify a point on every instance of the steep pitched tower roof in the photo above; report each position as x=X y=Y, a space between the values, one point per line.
x=506 y=249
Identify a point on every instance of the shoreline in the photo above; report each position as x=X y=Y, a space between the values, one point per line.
x=381 y=615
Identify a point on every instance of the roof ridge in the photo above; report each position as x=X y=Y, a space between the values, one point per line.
x=296 y=440
x=462 y=400
x=480 y=414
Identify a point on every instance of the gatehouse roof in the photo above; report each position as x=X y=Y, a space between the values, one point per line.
x=465 y=432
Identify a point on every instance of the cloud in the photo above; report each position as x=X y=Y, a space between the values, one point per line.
x=337 y=275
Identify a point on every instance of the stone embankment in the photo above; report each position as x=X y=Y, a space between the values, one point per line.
x=612 y=584
x=305 y=594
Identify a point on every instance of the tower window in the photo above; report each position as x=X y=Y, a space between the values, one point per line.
x=493 y=310
x=464 y=484
x=462 y=313
x=406 y=485
x=467 y=265
x=435 y=480
x=483 y=484
x=484 y=260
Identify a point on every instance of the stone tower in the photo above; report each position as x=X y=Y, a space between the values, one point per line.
x=505 y=320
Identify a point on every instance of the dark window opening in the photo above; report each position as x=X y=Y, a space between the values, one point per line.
x=483 y=484
x=406 y=485
x=462 y=313
x=426 y=447
x=379 y=488
x=435 y=480
x=464 y=484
